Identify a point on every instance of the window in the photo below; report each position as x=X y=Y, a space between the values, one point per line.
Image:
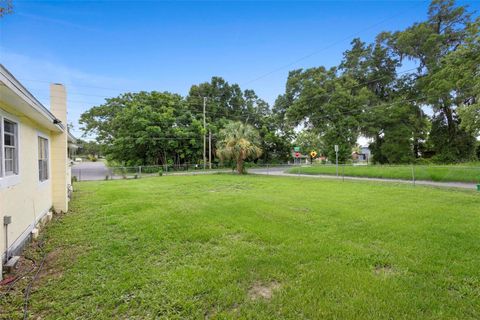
x=10 y=147
x=42 y=159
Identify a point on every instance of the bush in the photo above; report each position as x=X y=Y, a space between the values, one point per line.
x=160 y=172
x=423 y=161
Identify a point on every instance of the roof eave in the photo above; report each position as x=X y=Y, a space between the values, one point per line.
x=26 y=102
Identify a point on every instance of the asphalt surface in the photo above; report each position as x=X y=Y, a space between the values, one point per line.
x=90 y=171
x=94 y=171
x=281 y=172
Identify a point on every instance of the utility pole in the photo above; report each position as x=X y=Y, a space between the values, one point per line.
x=210 y=149
x=336 y=157
x=204 y=135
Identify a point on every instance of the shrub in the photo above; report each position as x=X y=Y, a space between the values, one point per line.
x=423 y=161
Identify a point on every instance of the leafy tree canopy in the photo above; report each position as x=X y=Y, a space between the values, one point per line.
x=371 y=93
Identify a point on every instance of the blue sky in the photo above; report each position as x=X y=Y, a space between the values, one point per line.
x=101 y=49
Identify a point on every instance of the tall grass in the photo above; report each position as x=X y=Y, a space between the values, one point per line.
x=453 y=173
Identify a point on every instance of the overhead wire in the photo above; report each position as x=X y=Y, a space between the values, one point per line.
x=329 y=46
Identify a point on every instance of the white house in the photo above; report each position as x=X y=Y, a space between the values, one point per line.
x=34 y=165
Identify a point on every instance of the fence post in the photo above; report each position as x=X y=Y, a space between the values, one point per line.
x=343 y=172
x=413 y=174
x=79 y=174
x=268 y=171
x=139 y=171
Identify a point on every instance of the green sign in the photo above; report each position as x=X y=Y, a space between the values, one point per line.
x=296 y=149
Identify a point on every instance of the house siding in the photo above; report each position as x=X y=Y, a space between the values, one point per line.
x=24 y=197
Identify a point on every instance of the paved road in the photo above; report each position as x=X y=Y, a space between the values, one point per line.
x=281 y=172
x=94 y=171
x=90 y=171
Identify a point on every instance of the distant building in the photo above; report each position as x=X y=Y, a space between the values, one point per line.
x=362 y=156
x=365 y=153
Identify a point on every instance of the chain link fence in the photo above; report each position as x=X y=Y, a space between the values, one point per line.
x=98 y=171
x=411 y=173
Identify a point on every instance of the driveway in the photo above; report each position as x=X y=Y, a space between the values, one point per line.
x=90 y=170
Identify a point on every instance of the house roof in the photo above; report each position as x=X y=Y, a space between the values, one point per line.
x=14 y=93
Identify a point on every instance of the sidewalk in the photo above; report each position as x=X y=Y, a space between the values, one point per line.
x=462 y=185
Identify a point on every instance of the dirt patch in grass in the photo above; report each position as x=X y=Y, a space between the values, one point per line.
x=301 y=209
x=385 y=270
x=263 y=291
x=235 y=187
x=52 y=266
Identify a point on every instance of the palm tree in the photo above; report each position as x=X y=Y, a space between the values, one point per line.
x=238 y=142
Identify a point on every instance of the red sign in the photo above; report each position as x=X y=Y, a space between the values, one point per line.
x=297 y=154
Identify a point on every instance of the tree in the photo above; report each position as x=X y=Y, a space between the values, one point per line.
x=6 y=7
x=327 y=104
x=309 y=141
x=146 y=128
x=391 y=118
x=227 y=102
x=460 y=147
x=462 y=69
x=238 y=142
x=164 y=128
x=224 y=102
x=429 y=44
x=89 y=148
x=365 y=94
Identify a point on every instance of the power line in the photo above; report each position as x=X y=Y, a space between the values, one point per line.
x=326 y=47
x=259 y=77
x=81 y=86
x=191 y=103
x=362 y=109
x=363 y=83
x=246 y=115
x=162 y=138
x=196 y=138
x=365 y=108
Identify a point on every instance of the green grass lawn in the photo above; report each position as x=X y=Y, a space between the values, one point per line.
x=432 y=173
x=258 y=247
